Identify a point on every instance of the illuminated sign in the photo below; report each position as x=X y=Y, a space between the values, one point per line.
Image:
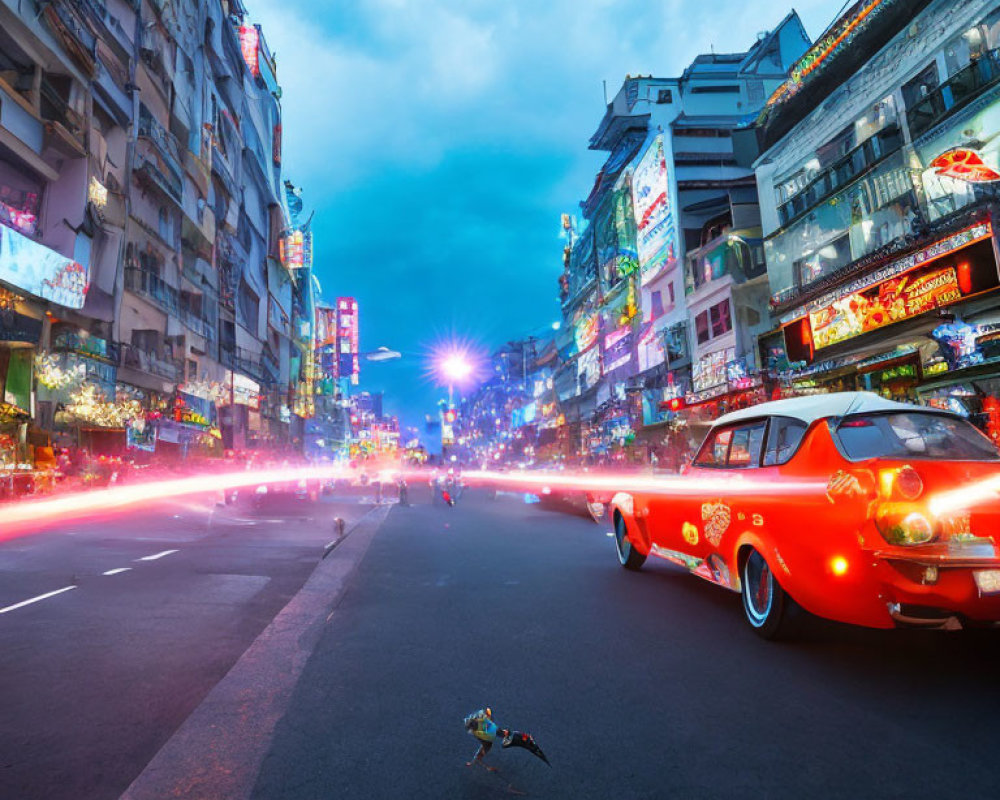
x=43 y=272
x=838 y=36
x=651 y=205
x=711 y=370
x=977 y=233
x=586 y=332
x=891 y=301
x=617 y=348
x=964 y=164
x=348 y=365
x=249 y=40
x=292 y=249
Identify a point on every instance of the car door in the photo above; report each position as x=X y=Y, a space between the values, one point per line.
x=692 y=522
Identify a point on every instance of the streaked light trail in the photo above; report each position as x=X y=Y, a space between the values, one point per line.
x=20 y=516
x=968 y=496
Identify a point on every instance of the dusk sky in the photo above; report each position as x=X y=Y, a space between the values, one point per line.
x=439 y=141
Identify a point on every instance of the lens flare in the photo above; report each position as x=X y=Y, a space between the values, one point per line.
x=968 y=496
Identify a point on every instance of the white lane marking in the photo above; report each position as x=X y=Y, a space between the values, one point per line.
x=610 y=534
x=116 y=571
x=36 y=599
x=157 y=555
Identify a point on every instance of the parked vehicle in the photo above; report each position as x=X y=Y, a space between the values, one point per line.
x=830 y=503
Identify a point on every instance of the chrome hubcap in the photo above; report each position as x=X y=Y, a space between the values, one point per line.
x=758 y=589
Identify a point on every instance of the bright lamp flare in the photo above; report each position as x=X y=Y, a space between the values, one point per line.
x=456 y=367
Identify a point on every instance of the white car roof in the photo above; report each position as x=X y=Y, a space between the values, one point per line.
x=818 y=406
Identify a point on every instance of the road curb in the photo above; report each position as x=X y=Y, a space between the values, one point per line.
x=218 y=750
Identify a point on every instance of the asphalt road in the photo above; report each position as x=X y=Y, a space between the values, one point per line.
x=94 y=680
x=644 y=685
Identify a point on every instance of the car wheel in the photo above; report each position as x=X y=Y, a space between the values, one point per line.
x=628 y=556
x=766 y=605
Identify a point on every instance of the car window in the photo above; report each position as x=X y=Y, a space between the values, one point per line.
x=783 y=440
x=913 y=435
x=715 y=450
x=746 y=445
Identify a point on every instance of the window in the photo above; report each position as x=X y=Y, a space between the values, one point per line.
x=913 y=435
x=715 y=89
x=722 y=321
x=922 y=85
x=715 y=450
x=701 y=326
x=747 y=442
x=783 y=440
x=656 y=304
x=664 y=96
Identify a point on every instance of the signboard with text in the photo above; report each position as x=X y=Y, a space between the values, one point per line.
x=653 y=213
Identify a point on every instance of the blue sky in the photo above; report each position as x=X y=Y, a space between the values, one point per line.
x=439 y=141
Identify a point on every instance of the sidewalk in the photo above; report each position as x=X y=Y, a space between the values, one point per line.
x=218 y=751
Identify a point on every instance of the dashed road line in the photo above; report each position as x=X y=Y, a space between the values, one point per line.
x=156 y=556
x=35 y=599
x=116 y=571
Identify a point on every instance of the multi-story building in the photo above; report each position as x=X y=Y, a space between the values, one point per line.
x=142 y=218
x=877 y=173
x=640 y=312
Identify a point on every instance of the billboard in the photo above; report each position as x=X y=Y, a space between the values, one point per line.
x=940 y=283
x=43 y=272
x=654 y=217
x=348 y=365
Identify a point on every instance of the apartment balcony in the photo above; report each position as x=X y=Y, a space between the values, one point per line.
x=167 y=173
x=64 y=127
x=271 y=365
x=151 y=286
x=172 y=369
x=198 y=324
x=241 y=360
x=961 y=88
x=76 y=37
x=92 y=346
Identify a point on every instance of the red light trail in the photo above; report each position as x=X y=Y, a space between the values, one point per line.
x=18 y=518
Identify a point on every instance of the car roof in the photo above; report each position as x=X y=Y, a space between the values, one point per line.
x=818 y=406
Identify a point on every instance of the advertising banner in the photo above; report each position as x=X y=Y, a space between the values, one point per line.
x=586 y=332
x=653 y=213
x=927 y=288
x=43 y=272
x=617 y=348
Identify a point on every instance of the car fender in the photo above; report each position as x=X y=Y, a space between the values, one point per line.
x=807 y=575
x=624 y=503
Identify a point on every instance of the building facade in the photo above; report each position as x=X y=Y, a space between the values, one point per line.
x=149 y=296
x=878 y=205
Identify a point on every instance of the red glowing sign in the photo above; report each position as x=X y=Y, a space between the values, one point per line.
x=965 y=165
x=249 y=40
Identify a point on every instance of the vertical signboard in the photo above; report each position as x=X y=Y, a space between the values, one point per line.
x=348 y=365
x=654 y=217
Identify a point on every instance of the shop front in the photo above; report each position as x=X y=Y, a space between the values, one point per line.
x=923 y=328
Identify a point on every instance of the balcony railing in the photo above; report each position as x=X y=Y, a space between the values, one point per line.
x=86 y=345
x=240 y=360
x=165 y=143
x=132 y=356
x=961 y=87
x=150 y=285
x=842 y=172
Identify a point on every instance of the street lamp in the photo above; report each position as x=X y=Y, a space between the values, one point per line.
x=456 y=368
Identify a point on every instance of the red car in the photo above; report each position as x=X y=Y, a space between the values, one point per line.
x=853 y=507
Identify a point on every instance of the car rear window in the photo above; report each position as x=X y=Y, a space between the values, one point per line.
x=913 y=435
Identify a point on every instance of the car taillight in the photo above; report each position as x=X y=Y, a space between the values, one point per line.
x=900 y=483
x=905 y=524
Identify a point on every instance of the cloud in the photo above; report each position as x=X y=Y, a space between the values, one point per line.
x=439 y=140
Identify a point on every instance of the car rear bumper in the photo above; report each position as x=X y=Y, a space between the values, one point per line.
x=940 y=593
